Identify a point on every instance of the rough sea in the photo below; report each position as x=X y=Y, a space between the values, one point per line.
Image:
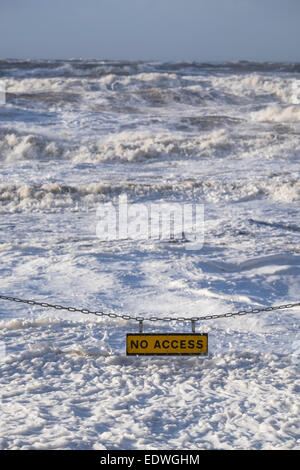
x=77 y=134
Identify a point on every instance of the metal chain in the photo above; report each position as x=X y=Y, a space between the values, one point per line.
x=151 y=319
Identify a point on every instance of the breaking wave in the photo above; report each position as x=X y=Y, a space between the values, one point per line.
x=54 y=196
x=143 y=145
x=125 y=146
x=149 y=88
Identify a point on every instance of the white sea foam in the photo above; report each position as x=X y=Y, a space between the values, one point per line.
x=145 y=145
x=14 y=147
x=288 y=114
x=126 y=146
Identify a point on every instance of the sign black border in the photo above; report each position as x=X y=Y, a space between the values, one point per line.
x=167 y=354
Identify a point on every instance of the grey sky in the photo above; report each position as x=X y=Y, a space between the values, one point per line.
x=202 y=30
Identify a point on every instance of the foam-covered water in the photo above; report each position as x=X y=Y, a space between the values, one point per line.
x=77 y=133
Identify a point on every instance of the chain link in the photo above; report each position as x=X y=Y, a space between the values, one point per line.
x=151 y=319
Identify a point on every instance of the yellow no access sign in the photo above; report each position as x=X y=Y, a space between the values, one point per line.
x=166 y=344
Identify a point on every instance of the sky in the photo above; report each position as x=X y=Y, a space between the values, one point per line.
x=170 y=30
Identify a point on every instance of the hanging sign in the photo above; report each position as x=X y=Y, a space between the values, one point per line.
x=167 y=344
